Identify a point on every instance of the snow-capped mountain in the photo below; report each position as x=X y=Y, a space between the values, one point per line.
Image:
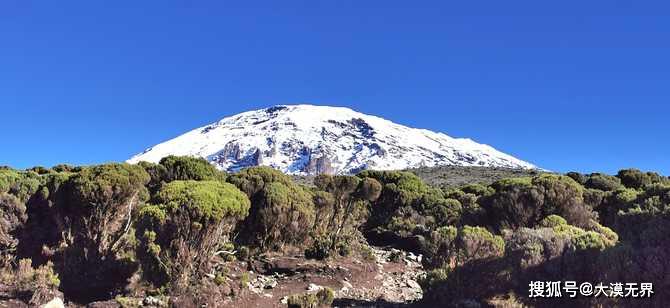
x=307 y=139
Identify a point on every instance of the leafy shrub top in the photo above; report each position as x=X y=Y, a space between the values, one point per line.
x=207 y=200
x=190 y=168
x=22 y=184
x=96 y=185
x=252 y=180
x=603 y=182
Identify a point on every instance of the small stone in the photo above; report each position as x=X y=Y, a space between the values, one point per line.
x=413 y=284
x=151 y=301
x=54 y=303
x=314 y=287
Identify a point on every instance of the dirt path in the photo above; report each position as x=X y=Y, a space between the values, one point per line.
x=389 y=281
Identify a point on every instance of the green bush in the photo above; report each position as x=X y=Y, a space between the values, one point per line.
x=204 y=200
x=478 y=243
x=634 y=178
x=94 y=208
x=348 y=209
x=320 y=248
x=36 y=285
x=323 y=298
x=399 y=189
x=552 y=221
x=578 y=177
x=12 y=217
x=603 y=182
x=21 y=184
x=252 y=180
x=477 y=189
x=407 y=209
x=179 y=235
x=64 y=168
x=282 y=212
x=440 y=247
x=189 y=168
x=589 y=240
x=524 y=202
x=157 y=174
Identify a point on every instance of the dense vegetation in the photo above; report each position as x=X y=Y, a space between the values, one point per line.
x=110 y=230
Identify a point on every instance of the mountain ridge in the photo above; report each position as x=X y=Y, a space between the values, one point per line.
x=308 y=139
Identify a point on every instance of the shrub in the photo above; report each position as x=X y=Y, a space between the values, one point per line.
x=35 y=286
x=203 y=200
x=443 y=211
x=608 y=236
x=399 y=189
x=408 y=210
x=524 y=202
x=477 y=189
x=95 y=208
x=12 y=217
x=589 y=240
x=578 y=177
x=603 y=182
x=528 y=248
x=324 y=204
x=64 y=168
x=440 y=247
x=157 y=174
x=633 y=178
x=323 y=298
x=471 y=212
x=253 y=180
x=281 y=213
x=594 y=197
x=39 y=170
x=350 y=196
x=552 y=221
x=179 y=235
x=433 y=279
x=189 y=168
x=320 y=248
x=18 y=183
x=550 y=254
x=243 y=253
x=476 y=243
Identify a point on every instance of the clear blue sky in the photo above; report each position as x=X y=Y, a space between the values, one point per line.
x=567 y=85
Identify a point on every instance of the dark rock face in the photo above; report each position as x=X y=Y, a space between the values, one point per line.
x=233 y=152
x=257 y=157
x=363 y=127
x=275 y=109
x=319 y=165
x=315 y=161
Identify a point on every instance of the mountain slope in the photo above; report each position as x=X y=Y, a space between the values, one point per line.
x=306 y=139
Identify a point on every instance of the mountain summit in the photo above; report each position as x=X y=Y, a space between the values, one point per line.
x=308 y=140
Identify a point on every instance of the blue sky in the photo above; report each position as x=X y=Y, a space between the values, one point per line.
x=567 y=85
